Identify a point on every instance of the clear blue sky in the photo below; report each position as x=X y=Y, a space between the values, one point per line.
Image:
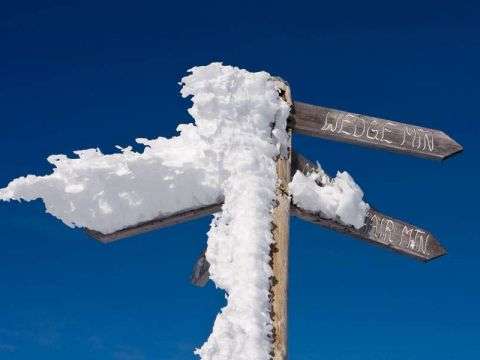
x=80 y=75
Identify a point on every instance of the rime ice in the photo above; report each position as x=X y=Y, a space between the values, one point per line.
x=227 y=154
x=337 y=198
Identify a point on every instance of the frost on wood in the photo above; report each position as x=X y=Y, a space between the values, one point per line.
x=227 y=153
x=338 y=198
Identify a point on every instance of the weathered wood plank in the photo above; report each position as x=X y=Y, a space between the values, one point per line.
x=280 y=246
x=379 y=229
x=383 y=230
x=373 y=132
x=156 y=223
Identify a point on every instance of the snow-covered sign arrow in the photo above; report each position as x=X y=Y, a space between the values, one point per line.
x=236 y=161
x=379 y=229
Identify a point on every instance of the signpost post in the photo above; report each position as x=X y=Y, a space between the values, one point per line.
x=379 y=229
x=280 y=246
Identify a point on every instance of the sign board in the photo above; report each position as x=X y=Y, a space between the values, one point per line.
x=371 y=131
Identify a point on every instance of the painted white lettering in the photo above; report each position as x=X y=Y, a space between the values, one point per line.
x=417 y=135
x=428 y=139
x=421 y=241
x=372 y=128
x=407 y=131
x=330 y=121
x=364 y=126
x=386 y=130
x=347 y=121
x=375 y=228
x=389 y=228
x=406 y=237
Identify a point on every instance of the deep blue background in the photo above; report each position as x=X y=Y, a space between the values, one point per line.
x=75 y=76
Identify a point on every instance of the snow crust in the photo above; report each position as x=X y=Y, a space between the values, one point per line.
x=338 y=198
x=227 y=154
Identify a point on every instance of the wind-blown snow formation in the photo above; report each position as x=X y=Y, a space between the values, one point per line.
x=226 y=154
x=110 y=192
x=338 y=198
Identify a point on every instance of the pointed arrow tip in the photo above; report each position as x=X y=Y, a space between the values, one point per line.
x=435 y=250
x=453 y=148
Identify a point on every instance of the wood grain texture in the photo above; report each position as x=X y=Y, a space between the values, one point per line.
x=379 y=229
x=373 y=132
x=157 y=223
x=280 y=247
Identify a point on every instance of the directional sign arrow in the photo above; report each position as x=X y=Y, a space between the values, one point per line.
x=370 y=131
x=383 y=230
x=379 y=229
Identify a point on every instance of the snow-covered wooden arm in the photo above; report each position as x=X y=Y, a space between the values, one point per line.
x=370 y=131
x=383 y=230
x=379 y=229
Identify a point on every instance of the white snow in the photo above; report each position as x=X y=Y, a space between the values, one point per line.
x=110 y=192
x=226 y=154
x=338 y=198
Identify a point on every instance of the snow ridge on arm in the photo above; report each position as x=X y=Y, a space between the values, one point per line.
x=338 y=198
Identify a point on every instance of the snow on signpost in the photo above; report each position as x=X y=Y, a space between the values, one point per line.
x=234 y=162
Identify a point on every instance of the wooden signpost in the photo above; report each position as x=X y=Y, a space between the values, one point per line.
x=379 y=229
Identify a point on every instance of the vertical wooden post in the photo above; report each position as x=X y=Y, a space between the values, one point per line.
x=279 y=250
